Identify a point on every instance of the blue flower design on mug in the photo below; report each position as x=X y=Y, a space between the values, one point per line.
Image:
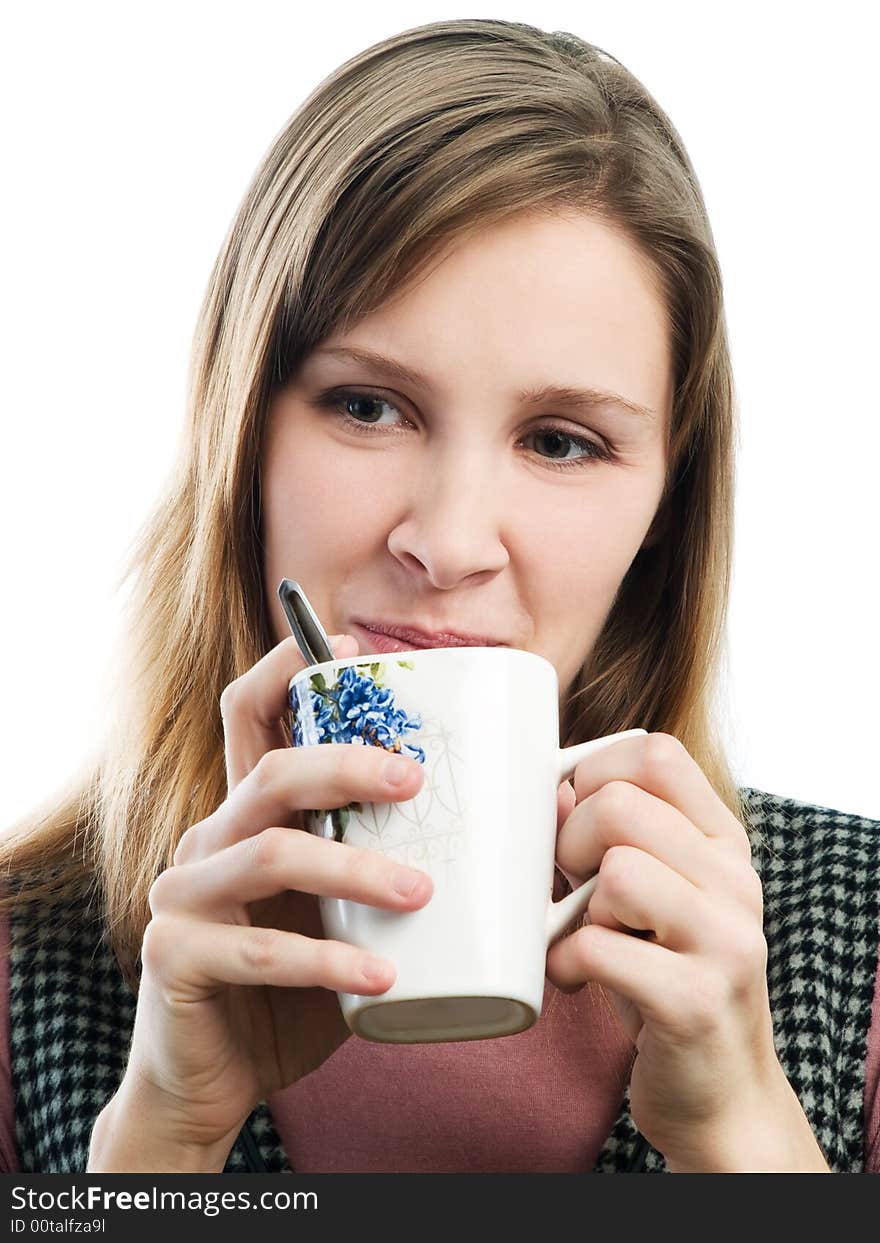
x=359 y=708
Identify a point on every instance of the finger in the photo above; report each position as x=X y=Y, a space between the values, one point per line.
x=189 y=958
x=293 y=779
x=644 y=972
x=638 y=893
x=660 y=765
x=252 y=706
x=278 y=859
x=565 y=803
x=621 y=814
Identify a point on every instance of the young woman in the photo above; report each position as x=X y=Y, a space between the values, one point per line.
x=461 y=369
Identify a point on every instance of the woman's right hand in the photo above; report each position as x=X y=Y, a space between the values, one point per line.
x=237 y=995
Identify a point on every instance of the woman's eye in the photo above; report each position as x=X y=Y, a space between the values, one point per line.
x=357 y=405
x=355 y=411
x=594 y=452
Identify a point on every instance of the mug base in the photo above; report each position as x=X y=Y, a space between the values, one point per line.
x=424 y=1020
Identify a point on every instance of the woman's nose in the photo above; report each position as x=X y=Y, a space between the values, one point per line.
x=452 y=525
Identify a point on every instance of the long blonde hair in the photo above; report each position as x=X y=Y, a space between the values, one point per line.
x=417 y=141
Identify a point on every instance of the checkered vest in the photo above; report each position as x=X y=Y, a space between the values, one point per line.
x=71 y=1012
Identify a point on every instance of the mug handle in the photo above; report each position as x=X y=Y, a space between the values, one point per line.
x=560 y=914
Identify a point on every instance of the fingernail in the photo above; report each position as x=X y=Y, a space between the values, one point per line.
x=375 y=969
x=405 y=881
x=395 y=771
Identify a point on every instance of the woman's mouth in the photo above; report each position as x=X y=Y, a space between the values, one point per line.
x=404 y=638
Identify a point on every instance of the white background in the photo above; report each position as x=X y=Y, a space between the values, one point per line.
x=130 y=135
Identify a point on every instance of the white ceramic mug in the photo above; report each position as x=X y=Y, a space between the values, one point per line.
x=484 y=722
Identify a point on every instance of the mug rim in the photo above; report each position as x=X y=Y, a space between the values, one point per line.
x=423 y=653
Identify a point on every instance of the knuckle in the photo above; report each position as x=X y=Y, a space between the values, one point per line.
x=266 y=774
x=329 y=964
x=160 y=937
x=261 y=948
x=582 y=960
x=613 y=803
x=268 y=849
x=738 y=842
x=741 y=880
x=747 y=957
x=229 y=697
x=743 y=844
x=751 y=888
x=616 y=868
x=352 y=863
x=335 y=961
x=356 y=870
x=161 y=890
x=660 y=754
x=337 y=757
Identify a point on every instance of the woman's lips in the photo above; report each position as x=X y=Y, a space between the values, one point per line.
x=375 y=641
x=372 y=641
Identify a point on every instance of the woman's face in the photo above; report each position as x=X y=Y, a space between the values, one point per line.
x=441 y=502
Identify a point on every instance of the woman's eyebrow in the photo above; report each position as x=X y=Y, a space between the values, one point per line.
x=561 y=395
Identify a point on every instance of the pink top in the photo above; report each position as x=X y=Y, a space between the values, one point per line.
x=540 y=1102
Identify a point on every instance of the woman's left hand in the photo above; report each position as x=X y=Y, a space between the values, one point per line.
x=676 y=939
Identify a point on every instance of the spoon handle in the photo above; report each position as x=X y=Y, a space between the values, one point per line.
x=315 y=647
x=308 y=631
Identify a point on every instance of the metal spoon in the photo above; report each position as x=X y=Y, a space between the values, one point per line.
x=311 y=637
x=310 y=634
